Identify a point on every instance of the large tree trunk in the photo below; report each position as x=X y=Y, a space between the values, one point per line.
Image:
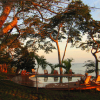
x=96 y=64
x=59 y=57
x=37 y=68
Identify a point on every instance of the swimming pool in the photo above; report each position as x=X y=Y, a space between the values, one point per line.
x=43 y=81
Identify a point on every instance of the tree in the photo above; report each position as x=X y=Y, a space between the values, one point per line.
x=5 y=58
x=36 y=43
x=26 y=17
x=22 y=59
x=67 y=65
x=14 y=15
x=38 y=21
x=90 y=66
x=6 y=48
x=90 y=45
x=67 y=24
x=41 y=61
x=93 y=29
x=36 y=11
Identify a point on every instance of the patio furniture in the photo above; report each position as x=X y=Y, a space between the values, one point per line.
x=96 y=81
x=27 y=73
x=23 y=72
x=87 y=81
x=55 y=72
x=33 y=71
x=45 y=72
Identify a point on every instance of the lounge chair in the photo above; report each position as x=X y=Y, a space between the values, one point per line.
x=55 y=72
x=86 y=82
x=33 y=71
x=23 y=72
x=96 y=81
x=45 y=72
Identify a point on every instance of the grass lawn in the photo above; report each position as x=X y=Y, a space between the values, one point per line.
x=12 y=91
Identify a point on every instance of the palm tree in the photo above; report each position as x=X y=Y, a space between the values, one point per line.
x=41 y=61
x=67 y=65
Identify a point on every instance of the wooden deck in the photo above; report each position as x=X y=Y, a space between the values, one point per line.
x=24 y=80
x=71 y=86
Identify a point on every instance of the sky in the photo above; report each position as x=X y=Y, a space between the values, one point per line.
x=78 y=55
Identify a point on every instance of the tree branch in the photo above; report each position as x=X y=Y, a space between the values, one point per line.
x=36 y=4
x=58 y=31
x=52 y=38
x=65 y=48
x=16 y=37
x=96 y=43
x=5 y=13
x=39 y=12
x=10 y=26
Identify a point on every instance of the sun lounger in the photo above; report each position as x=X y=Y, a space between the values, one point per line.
x=55 y=72
x=87 y=81
x=97 y=81
x=33 y=71
x=45 y=72
x=23 y=72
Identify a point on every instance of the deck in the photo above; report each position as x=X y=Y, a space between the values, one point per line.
x=71 y=86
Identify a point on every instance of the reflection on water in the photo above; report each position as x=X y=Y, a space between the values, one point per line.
x=55 y=79
x=43 y=81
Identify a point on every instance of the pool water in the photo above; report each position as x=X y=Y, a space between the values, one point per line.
x=43 y=81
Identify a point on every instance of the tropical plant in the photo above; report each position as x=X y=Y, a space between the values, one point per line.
x=66 y=64
x=41 y=61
